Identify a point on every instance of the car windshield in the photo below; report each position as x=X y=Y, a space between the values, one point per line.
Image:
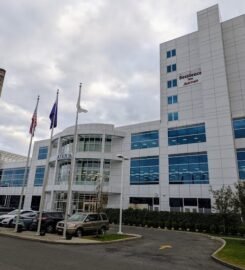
x=77 y=217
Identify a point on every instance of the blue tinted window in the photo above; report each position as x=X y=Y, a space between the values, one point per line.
x=241 y=163
x=171 y=68
x=144 y=171
x=43 y=152
x=172 y=99
x=187 y=135
x=13 y=177
x=39 y=176
x=171 y=53
x=188 y=168
x=147 y=139
x=172 y=83
x=239 y=128
x=173 y=116
x=169 y=84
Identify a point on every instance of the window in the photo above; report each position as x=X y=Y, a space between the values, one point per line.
x=64 y=168
x=172 y=99
x=241 y=163
x=146 y=139
x=144 y=200
x=188 y=168
x=172 y=83
x=108 y=140
x=171 y=68
x=173 y=116
x=66 y=145
x=177 y=203
x=144 y=170
x=239 y=128
x=39 y=176
x=187 y=135
x=13 y=177
x=171 y=53
x=42 y=152
x=90 y=143
x=87 y=171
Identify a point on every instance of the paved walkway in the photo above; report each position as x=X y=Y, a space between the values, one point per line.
x=48 y=238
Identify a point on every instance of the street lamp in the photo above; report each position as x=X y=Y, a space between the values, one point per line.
x=121 y=197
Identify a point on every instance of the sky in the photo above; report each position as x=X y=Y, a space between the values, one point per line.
x=111 y=46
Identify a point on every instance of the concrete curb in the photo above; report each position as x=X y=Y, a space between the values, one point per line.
x=215 y=258
x=69 y=242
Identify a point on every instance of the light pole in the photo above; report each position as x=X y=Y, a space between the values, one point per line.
x=121 y=197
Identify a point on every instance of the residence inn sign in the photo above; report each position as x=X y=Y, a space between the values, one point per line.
x=190 y=77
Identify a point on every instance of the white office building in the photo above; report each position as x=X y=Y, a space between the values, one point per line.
x=197 y=144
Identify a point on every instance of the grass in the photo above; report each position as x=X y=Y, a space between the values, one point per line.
x=110 y=237
x=233 y=252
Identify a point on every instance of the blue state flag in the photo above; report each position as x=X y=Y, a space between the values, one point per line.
x=53 y=115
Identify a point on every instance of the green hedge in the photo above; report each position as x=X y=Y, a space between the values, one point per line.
x=212 y=223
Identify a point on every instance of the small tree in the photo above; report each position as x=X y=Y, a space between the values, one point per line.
x=224 y=203
x=239 y=199
x=224 y=200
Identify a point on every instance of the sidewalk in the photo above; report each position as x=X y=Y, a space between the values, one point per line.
x=48 y=238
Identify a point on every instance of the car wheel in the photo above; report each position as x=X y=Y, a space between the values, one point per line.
x=102 y=231
x=79 y=233
x=50 y=228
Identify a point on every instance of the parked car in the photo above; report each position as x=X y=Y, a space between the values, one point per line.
x=25 y=220
x=7 y=220
x=49 y=221
x=4 y=210
x=82 y=223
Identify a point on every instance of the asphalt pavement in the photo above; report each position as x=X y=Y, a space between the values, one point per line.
x=158 y=249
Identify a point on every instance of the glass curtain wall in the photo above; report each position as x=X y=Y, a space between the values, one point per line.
x=64 y=169
x=90 y=143
x=66 y=145
x=191 y=168
x=12 y=177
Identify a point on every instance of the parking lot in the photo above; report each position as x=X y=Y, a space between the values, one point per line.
x=157 y=249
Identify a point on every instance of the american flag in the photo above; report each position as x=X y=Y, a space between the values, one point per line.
x=33 y=122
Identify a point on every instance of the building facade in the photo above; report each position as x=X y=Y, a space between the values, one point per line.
x=198 y=143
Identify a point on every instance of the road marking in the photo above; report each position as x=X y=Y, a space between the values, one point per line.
x=165 y=246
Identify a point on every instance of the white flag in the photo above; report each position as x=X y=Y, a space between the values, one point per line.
x=79 y=108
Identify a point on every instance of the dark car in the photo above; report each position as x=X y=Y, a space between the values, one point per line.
x=25 y=220
x=49 y=221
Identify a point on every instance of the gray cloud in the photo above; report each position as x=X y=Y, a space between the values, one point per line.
x=111 y=46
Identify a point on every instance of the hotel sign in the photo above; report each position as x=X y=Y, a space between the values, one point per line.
x=64 y=156
x=189 y=78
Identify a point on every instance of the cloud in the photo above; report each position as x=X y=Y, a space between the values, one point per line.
x=111 y=46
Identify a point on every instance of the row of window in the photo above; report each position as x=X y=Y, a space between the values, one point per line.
x=187 y=135
x=13 y=177
x=146 y=139
x=188 y=168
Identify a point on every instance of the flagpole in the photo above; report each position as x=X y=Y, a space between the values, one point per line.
x=45 y=181
x=25 y=175
x=73 y=161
